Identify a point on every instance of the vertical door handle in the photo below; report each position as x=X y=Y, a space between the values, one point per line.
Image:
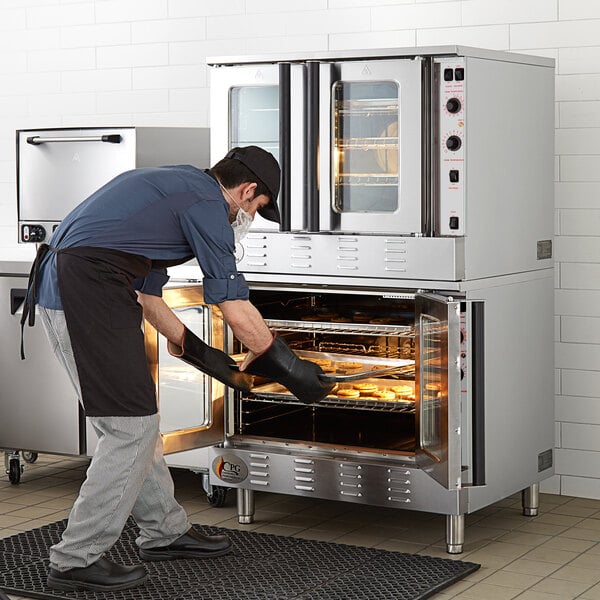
x=478 y=391
x=312 y=147
x=285 y=118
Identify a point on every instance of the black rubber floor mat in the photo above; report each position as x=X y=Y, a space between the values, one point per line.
x=260 y=567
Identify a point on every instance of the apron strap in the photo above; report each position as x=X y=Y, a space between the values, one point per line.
x=31 y=298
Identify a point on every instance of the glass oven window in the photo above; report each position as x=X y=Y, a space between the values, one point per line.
x=431 y=388
x=254 y=117
x=184 y=391
x=365 y=146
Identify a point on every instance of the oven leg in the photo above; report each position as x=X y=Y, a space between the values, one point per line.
x=245 y=506
x=530 y=499
x=455 y=533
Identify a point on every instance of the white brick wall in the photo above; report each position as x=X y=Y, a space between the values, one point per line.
x=83 y=62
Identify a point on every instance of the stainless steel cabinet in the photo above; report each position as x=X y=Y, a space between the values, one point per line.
x=39 y=409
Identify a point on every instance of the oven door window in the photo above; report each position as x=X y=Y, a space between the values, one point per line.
x=365 y=145
x=184 y=391
x=438 y=385
x=254 y=117
x=432 y=387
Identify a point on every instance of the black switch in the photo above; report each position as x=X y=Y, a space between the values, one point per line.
x=459 y=74
x=448 y=75
x=453 y=222
x=454 y=175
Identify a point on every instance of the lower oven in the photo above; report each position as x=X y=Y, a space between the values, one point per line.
x=440 y=402
x=393 y=428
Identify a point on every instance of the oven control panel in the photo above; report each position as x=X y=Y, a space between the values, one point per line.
x=451 y=74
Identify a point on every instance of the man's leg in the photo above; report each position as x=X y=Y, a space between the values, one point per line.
x=121 y=463
x=159 y=516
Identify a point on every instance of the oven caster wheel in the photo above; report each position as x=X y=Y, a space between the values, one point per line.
x=217 y=496
x=29 y=457
x=14 y=471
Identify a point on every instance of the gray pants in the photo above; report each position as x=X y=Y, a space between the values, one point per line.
x=127 y=475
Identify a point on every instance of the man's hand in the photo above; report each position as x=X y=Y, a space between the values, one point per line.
x=299 y=376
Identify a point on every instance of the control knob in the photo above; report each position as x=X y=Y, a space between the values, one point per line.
x=453 y=143
x=453 y=105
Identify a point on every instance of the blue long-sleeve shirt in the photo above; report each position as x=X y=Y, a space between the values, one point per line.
x=166 y=214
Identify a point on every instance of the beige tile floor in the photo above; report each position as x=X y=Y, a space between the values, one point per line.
x=554 y=556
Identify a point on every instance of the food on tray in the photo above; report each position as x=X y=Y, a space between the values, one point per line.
x=402 y=391
x=322 y=362
x=325 y=364
x=348 y=366
x=384 y=395
x=365 y=389
x=341 y=319
x=348 y=393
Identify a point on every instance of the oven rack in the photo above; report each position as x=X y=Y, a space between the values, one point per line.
x=341 y=328
x=335 y=402
x=381 y=353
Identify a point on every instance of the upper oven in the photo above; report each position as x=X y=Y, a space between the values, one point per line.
x=348 y=137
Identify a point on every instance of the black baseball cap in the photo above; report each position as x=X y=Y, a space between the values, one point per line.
x=264 y=165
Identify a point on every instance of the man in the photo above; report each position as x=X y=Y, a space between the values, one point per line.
x=104 y=269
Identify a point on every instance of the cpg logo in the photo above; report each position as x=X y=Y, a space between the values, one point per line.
x=230 y=468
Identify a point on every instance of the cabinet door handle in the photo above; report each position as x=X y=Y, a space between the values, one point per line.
x=113 y=138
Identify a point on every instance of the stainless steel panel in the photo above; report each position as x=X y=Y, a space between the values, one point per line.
x=385 y=53
x=510 y=167
x=395 y=484
x=360 y=256
x=39 y=407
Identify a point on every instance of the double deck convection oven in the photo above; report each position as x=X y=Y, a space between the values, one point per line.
x=413 y=263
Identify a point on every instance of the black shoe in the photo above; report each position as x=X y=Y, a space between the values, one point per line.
x=101 y=575
x=190 y=545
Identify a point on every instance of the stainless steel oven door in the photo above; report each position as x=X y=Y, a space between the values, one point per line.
x=437 y=393
x=248 y=104
x=191 y=403
x=370 y=138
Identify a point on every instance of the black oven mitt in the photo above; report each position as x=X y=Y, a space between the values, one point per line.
x=301 y=377
x=211 y=361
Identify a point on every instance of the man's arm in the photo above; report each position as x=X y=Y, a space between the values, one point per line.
x=161 y=317
x=247 y=325
x=245 y=321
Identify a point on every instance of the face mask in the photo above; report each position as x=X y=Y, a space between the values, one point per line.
x=241 y=225
x=243 y=220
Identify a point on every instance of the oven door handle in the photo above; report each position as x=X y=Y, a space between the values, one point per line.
x=285 y=147
x=312 y=145
x=112 y=138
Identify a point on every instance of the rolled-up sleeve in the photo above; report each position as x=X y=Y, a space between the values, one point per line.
x=153 y=283
x=219 y=290
x=209 y=234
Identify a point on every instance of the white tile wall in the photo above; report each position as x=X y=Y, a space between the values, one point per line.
x=93 y=62
x=580 y=276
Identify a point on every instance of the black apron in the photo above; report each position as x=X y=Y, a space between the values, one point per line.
x=104 y=322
